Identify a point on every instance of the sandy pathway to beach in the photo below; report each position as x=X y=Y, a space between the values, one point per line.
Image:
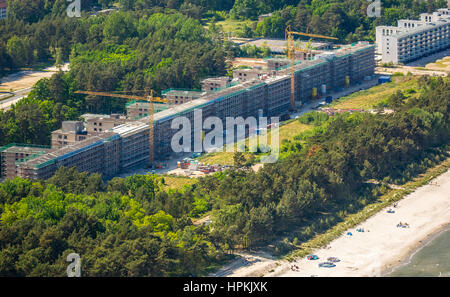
x=383 y=245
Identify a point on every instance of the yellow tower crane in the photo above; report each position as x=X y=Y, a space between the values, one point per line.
x=151 y=99
x=289 y=35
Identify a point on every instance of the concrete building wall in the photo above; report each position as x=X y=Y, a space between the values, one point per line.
x=382 y=31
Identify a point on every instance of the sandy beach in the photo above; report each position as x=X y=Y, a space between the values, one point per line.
x=381 y=247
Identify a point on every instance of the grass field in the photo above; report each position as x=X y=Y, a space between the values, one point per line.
x=367 y=99
x=351 y=220
x=286 y=132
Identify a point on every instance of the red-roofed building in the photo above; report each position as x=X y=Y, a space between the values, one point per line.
x=3 y=8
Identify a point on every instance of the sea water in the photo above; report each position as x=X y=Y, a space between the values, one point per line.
x=431 y=260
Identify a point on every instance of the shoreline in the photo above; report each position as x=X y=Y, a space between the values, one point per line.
x=378 y=251
x=383 y=247
x=424 y=243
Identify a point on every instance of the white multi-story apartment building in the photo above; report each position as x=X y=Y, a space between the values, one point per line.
x=413 y=39
x=3 y=8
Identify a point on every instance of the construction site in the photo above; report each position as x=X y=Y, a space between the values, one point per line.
x=109 y=144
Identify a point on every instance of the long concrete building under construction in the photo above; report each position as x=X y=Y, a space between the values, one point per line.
x=126 y=144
